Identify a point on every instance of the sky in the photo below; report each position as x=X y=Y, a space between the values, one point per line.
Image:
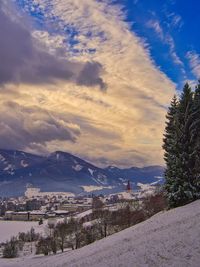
x=94 y=78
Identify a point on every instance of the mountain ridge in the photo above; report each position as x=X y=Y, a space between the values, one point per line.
x=62 y=171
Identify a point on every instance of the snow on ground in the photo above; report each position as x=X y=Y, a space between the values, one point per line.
x=12 y=228
x=9 y=167
x=125 y=195
x=77 y=167
x=159 y=177
x=91 y=188
x=145 y=186
x=91 y=171
x=2 y=158
x=146 y=189
x=24 y=164
x=83 y=214
x=35 y=192
x=169 y=238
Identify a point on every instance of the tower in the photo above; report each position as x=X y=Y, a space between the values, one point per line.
x=128 y=187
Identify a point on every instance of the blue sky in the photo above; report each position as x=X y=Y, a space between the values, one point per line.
x=94 y=78
x=178 y=20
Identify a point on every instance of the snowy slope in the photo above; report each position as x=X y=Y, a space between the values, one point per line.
x=167 y=239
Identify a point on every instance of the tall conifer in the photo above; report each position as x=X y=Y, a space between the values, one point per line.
x=170 y=147
x=179 y=150
x=184 y=193
x=195 y=142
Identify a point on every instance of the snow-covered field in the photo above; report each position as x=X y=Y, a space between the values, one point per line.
x=170 y=238
x=91 y=188
x=35 y=192
x=12 y=228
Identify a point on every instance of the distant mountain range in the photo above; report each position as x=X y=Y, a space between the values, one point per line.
x=63 y=172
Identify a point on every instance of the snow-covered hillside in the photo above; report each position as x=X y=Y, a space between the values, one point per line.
x=170 y=238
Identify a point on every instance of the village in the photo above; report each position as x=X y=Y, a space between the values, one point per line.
x=53 y=222
x=39 y=206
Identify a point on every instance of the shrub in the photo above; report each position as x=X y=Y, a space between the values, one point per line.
x=11 y=248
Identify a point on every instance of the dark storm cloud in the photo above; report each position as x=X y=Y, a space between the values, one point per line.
x=89 y=76
x=22 y=59
x=31 y=127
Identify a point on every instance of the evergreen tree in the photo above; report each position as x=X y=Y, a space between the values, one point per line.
x=184 y=191
x=178 y=148
x=170 y=144
x=195 y=141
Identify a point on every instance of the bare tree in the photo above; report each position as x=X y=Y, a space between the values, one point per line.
x=62 y=230
x=97 y=204
x=43 y=246
x=75 y=233
x=154 y=204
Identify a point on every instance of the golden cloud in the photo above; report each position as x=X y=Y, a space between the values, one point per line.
x=122 y=125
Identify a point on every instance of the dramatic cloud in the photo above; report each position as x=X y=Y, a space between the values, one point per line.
x=121 y=125
x=32 y=127
x=194 y=61
x=89 y=76
x=23 y=59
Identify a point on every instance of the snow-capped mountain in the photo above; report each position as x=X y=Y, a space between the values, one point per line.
x=61 y=171
x=11 y=160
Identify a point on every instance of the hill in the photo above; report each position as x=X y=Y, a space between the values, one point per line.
x=169 y=238
x=64 y=172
